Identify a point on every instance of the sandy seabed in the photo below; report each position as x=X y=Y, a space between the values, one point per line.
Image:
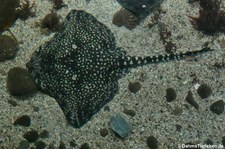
x=153 y=113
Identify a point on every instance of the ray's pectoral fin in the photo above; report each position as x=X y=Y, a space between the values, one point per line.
x=90 y=99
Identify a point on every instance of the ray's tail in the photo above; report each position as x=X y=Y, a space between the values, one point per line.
x=133 y=61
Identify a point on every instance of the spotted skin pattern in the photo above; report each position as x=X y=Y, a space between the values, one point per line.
x=80 y=66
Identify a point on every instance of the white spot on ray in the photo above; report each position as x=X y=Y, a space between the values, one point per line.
x=74 y=46
x=74 y=77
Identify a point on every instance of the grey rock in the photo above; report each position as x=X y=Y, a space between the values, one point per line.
x=24 y=144
x=120 y=126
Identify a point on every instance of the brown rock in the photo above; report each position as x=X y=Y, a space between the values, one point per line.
x=126 y=18
x=19 y=82
x=8 y=47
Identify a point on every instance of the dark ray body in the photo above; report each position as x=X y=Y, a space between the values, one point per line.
x=80 y=66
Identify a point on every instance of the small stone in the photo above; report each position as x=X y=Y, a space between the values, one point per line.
x=190 y=99
x=170 y=94
x=12 y=102
x=134 y=87
x=73 y=143
x=120 y=126
x=85 y=146
x=40 y=145
x=51 y=146
x=8 y=47
x=129 y=112
x=31 y=136
x=126 y=18
x=23 y=120
x=217 y=107
x=177 y=111
x=19 y=82
x=209 y=142
x=36 y=109
x=178 y=127
x=204 y=91
x=152 y=142
x=104 y=132
x=106 y=108
x=62 y=145
x=44 y=134
x=24 y=144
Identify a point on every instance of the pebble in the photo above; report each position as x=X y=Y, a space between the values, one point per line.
x=217 y=107
x=44 y=134
x=106 y=108
x=120 y=126
x=23 y=120
x=104 y=132
x=125 y=18
x=170 y=94
x=85 y=146
x=134 y=87
x=12 y=102
x=40 y=145
x=204 y=91
x=129 y=112
x=24 y=144
x=152 y=142
x=177 y=111
x=51 y=146
x=73 y=143
x=62 y=145
x=36 y=109
x=190 y=99
x=8 y=47
x=31 y=136
x=19 y=82
x=178 y=127
x=209 y=142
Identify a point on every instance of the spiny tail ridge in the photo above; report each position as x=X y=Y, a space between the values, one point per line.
x=130 y=61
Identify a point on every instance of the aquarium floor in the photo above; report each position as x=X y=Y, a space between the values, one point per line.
x=154 y=115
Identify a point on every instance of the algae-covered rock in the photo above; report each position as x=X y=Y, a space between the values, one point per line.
x=8 y=13
x=19 y=82
x=8 y=47
x=126 y=18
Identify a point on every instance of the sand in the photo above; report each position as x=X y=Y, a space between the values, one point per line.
x=153 y=113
